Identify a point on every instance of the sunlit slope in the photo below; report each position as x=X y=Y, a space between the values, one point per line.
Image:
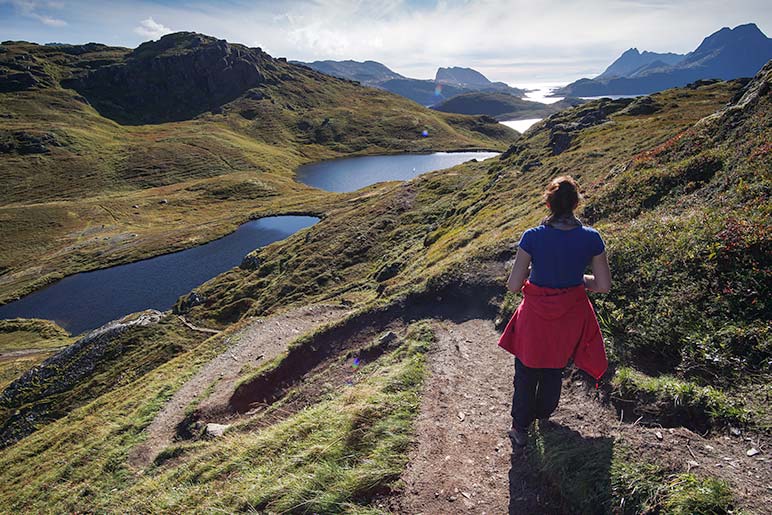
x=77 y=153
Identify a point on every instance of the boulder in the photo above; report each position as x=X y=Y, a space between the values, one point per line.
x=215 y=430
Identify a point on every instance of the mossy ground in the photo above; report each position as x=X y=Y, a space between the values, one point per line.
x=25 y=343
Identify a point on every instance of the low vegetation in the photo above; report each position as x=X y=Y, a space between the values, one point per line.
x=600 y=475
x=680 y=194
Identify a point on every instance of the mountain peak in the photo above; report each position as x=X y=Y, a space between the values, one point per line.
x=741 y=35
x=459 y=76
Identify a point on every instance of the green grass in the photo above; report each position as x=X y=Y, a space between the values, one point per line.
x=21 y=334
x=673 y=402
x=690 y=292
x=600 y=475
x=72 y=207
x=331 y=457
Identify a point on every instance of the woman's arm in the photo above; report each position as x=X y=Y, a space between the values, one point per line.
x=600 y=280
x=520 y=270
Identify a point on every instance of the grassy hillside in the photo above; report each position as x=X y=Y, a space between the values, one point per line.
x=677 y=183
x=82 y=180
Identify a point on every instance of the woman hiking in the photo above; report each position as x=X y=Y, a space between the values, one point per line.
x=555 y=320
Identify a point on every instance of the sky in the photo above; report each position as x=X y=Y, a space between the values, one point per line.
x=518 y=42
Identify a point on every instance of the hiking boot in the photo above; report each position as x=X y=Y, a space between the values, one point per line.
x=518 y=436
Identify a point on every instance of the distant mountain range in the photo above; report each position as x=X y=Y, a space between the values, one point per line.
x=448 y=82
x=726 y=54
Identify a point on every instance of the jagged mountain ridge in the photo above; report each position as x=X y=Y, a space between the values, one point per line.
x=726 y=54
x=632 y=61
x=448 y=82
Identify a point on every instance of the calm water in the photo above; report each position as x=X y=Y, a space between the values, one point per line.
x=520 y=125
x=88 y=300
x=350 y=174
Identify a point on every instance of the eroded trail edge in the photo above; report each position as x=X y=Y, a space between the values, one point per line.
x=262 y=340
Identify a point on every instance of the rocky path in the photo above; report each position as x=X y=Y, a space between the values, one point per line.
x=260 y=341
x=463 y=460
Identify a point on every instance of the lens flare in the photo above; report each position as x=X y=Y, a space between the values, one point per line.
x=424 y=133
x=438 y=90
x=355 y=363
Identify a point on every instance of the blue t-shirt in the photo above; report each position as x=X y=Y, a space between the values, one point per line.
x=559 y=258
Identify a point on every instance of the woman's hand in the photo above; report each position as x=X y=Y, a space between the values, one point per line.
x=600 y=280
x=520 y=271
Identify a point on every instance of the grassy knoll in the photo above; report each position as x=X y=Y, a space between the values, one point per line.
x=25 y=343
x=331 y=457
x=71 y=175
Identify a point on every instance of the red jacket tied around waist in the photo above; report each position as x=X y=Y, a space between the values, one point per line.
x=552 y=325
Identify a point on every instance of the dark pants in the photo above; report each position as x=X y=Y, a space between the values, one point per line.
x=537 y=392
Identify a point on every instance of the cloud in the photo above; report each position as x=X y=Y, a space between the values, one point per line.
x=51 y=22
x=31 y=9
x=516 y=41
x=149 y=28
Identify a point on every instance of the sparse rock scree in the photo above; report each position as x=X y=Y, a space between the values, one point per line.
x=60 y=373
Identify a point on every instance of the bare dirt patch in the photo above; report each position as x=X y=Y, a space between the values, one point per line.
x=463 y=460
x=260 y=341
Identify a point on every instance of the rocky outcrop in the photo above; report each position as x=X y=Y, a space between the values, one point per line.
x=176 y=78
x=563 y=128
x=20 y=72
x=27 y=399
x=23 y=142
x=641 y=106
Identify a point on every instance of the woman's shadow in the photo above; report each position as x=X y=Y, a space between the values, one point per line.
x=560 y=471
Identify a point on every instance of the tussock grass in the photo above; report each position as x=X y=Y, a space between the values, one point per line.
x=672 y=402
x=331 y=457
x=600 y=475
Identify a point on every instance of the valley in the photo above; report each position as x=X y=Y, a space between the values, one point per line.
x=351 y=365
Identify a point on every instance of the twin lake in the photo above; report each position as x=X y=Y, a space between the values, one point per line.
x=87 y=300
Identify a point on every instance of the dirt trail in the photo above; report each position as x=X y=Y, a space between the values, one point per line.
x=260 y=341
x=462 y=461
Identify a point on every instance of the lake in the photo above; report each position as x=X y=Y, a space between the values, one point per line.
x=85 y=301
x=520 y=125
x=353 y=173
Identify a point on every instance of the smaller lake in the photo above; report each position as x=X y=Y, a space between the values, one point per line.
x=85 y=301
x=520 y=125
x=353 y=173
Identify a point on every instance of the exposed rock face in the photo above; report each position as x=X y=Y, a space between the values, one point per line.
x=188 y=302
x=60 y=373
x=632 y=61
x=178 y=77
x=642 y=106
x=561 y=130
x=24 y=142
